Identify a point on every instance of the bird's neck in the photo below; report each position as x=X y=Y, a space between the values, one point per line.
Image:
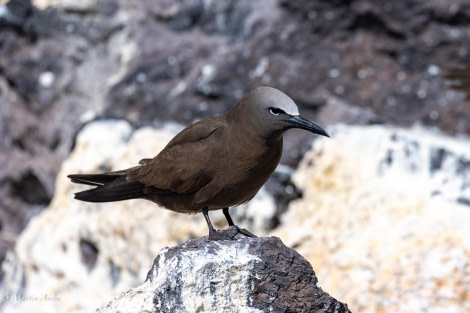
x=274 y=139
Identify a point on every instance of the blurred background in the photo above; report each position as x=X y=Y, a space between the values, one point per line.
x=380 y=210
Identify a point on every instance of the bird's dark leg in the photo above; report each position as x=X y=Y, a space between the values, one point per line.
x=228 y=234
x=231 y=223
x=212 y=230
x=228 y=217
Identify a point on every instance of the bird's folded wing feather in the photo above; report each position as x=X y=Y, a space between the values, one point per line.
x=180 y=167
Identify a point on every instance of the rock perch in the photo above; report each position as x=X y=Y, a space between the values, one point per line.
x=240 y=275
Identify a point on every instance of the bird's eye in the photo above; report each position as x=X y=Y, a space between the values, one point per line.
x=276 y=111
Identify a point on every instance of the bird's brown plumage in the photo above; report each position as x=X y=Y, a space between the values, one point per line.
x=213 y=164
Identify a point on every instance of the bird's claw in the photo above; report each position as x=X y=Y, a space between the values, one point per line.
x=229 y=233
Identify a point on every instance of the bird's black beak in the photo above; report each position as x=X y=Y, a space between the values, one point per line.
x=297 y=121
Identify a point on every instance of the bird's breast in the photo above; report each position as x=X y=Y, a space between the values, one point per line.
x=243 y=173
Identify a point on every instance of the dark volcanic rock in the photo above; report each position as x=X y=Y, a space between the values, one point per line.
x=241 y=275
x=358 y=62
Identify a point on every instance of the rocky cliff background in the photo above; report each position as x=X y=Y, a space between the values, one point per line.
x=382 y=216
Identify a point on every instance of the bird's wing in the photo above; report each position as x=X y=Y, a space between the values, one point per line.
x=182 y=166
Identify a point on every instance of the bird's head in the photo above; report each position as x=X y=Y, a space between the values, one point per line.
x=272 y=112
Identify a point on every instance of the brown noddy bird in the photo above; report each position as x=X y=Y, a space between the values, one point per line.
x=213 y=164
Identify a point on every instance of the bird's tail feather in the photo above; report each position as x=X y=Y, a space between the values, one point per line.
x=113 y=192
x=95 y=179
x=111 y=186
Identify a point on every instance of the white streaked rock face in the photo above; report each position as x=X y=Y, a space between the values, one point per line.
x=212 y=278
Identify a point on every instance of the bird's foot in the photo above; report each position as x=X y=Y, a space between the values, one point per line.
x=245 y=232
x=229 y=233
